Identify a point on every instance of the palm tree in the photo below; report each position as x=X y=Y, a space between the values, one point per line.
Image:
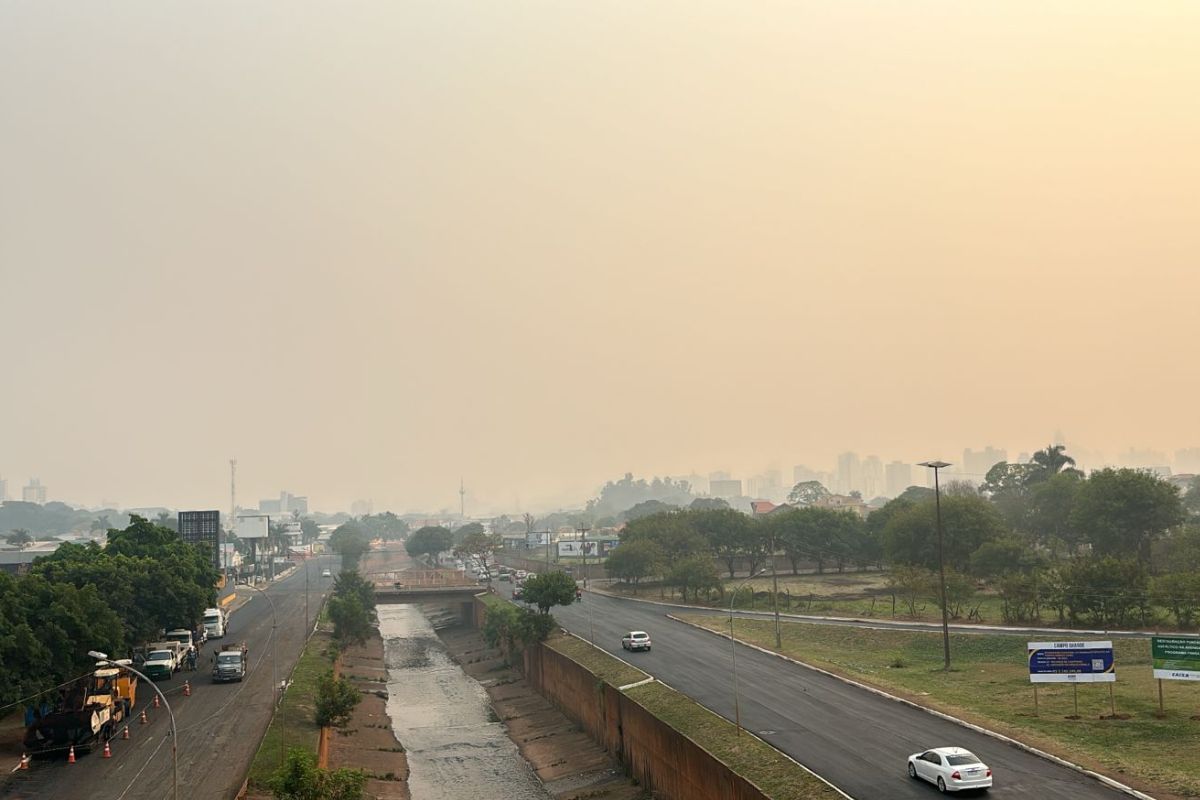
x=1050 y=462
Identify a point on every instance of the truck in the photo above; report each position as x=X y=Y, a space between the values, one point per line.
x=214 y=623
x=184 y=637
x=230 y=663
x=163 y=659
x=87 y=711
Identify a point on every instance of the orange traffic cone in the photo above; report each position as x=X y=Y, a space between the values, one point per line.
x=24 y=761
x=144 y=720
x=107 y=751
x=187 y=689
x=125 y=733
x=156 y=705
x=71 y=755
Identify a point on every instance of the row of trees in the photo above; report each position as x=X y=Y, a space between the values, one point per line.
x=87 y=597
x=1116 y=547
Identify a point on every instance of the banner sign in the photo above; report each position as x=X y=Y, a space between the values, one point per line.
x=1071 y=662
x=576 y=549
x=1176 y=657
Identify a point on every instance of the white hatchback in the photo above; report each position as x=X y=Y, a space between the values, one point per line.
x=951 y=769
x=636 y=640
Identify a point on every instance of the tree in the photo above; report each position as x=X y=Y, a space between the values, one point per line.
x=645 y=509
x=336 y=699
x=1110 y=591
x=806 y=493
x=351 y=542
x=1009 y=553
x=386 y=526
x=634 y=561
x=20 y=538
x=820 y=535
x=910 y=585
x=1178 y=592
x=1050 y=462
x=670 y=531
x=470 y=529
x=351 y=619
x=165 y=519
x=1050 y=507
x=1191 y=498
x=708 y=504
x=694 y=575
x=310 y=530
x=1122 y=512
x=549 y=589
x=910 y=536
x=299 y=778
x=1006 y=479
x=429 y=541
x=100 y=523
x=730 y=534
x=481 y=546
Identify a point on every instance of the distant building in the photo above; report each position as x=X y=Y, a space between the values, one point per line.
x=362 y=508
x=725 y=488
x=842 y=502
x=1186 y=460
x=3 y=490
x=872 y=477
x=203 y=528
x=801 y=473
x=35 y=492
x=760 y=508
x=976 y=463
x=849 y=473
x=287 y=503
x=899 y=476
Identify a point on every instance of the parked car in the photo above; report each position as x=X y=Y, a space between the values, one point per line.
x=160 y=664
x=521 y=574
x=505 y=577
x=325 y=573
x=951 y=769
x=636 y=640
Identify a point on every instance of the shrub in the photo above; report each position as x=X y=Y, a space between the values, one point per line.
x=299 y=778
x=336 y=699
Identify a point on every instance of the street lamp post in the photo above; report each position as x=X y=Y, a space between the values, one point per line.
x=936 y=466
x=737 y=711
x=124 y=663
x=274 y=660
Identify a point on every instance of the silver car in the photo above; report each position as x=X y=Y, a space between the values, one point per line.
x=636 y=640
x=951 y=769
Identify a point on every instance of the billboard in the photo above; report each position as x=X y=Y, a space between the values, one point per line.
x=1071 y=662
x=1176 y=657
x=536 y=539
x=202 y=528
x=252 y=527
x=576 y=549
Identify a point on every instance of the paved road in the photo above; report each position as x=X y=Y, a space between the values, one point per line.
x=855 y=739
x=220 y=725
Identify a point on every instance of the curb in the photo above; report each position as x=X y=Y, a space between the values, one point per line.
x=1104 y=779
x=891 y=624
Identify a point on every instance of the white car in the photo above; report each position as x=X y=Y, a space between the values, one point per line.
x=636 y=640
x=521 y=574
x=325 y=573
x=951 y=769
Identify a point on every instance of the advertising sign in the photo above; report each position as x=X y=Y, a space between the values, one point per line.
x=1071 y=662
x=576 y=549
x=202 y=528
x=252 y=527
x=1176 y=657
x=536 y=539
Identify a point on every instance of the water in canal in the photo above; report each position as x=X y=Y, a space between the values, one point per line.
x=456 y=747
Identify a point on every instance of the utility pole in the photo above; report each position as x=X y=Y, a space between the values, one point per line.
x=547 y=534
x=775 y=596
x=462 y=500
x=232 y=506
x=583 y=531
x=936 y=466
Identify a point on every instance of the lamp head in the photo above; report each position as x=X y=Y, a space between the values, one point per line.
x=934 y=464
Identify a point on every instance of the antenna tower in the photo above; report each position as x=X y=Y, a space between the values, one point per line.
x=462 y=499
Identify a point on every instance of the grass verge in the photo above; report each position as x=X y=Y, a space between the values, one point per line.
x=778 y=776
x=293 y=725
x=611 y=670
x=989 y=686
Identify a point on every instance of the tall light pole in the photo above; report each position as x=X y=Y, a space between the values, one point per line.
x=775 y=596
x=936 y=466
x=737 y=711
x=274 y=660
x=124 y=663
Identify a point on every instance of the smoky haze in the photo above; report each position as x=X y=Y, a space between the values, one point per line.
x=370 y=248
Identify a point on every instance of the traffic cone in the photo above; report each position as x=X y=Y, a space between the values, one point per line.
x=24 y=761
x=125 y=732
x=187 y=689
x=107 y=751
x=156 y=705
x=144 y=720
x=71 y=755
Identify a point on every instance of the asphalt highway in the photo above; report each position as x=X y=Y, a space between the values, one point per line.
x=855 y=739
x=220 y=725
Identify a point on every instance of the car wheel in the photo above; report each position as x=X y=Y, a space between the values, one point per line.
x=941 y=785
x=912 y=770
x=647 y=648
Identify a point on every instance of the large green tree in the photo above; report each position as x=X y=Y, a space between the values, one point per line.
x=1051 y=461
x=635 y=561
x=1122 y=511
x=479 y=545
x=910 y=536
x=549 y=589
x=671 y=531
x=351 y=542
x=429 y=541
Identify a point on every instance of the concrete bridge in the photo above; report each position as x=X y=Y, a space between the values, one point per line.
x=437 y=586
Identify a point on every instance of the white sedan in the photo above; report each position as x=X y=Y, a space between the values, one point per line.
x=952 y=769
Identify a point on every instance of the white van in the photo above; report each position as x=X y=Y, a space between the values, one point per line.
x=214 y=622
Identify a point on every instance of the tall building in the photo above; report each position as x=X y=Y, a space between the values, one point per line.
x=725 y=488
x=899 y=478
x=976 y=463
x=801 y=473
x=286 y=504
x=849 y=474
x=872 y=477
x=361 y=508
x=34 y=492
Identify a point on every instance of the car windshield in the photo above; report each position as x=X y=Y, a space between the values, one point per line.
x=962 y=760
x=159 y=655
x=229 y=658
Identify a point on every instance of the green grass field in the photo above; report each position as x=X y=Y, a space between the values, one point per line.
x=989 y=685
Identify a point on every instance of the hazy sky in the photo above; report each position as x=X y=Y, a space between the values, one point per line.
x=369 y=247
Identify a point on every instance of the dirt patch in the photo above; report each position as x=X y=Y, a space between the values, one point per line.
x=367 y=742
x=566 y=760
